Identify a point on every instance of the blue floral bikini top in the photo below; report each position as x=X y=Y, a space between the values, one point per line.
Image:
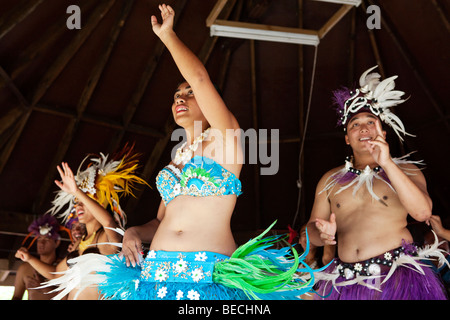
x=200 y=177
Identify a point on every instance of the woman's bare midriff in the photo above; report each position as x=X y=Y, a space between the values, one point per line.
x=197 y=224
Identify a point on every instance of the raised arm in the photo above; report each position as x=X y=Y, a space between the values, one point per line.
x=411 y=189
x=69 y=185
x=194 y=72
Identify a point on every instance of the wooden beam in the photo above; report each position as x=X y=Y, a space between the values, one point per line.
x=67 y=54
x=147 y=74
x=9 y=119
x=104 y=57
x=10 y=19
x=99 y=120
x=387 y=25
x=442 y=15
x=9 y=147
x=220 y=4
x=83 y=101
x=207 y=48
x=10 y=84
x=17 y=222
x=150 y=164
x=334 y=20
x=15 y=118
x=374 y=44
x=352 y=45
x=256 y=184
x=229 y=49
x=351 y=2
x=41 y=43
x=54 y=71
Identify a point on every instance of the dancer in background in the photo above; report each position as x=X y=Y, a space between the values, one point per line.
x=92 y=195
x=46 y=230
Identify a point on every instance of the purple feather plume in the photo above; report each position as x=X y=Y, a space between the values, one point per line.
x=344 y=178
x=46 y=225
x=339 y=98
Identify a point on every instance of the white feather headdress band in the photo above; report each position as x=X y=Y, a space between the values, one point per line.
x=375 y=97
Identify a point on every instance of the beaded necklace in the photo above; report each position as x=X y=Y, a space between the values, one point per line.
x=183 y=156
x=350 y=168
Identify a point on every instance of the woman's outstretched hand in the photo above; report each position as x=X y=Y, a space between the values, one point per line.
x=167 y=15
x=67 y=183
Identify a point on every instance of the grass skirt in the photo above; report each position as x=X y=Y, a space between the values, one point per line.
x=256 y=270
x=399 y=274
x=252 y=272
x=167 y=276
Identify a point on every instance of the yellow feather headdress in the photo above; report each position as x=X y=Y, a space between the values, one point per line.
x=105 y=181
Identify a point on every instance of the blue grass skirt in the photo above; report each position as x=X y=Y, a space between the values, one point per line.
x=168 y=276
x=253 y=271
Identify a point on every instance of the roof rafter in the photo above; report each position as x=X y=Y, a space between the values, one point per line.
x=409 y=59
x=83 y=101
x=53 y=72
x=9 y=20
x=147 y=74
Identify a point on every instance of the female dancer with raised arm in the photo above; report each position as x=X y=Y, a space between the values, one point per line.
x=193 y=253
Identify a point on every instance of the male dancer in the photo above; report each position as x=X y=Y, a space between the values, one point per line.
x=367 y=201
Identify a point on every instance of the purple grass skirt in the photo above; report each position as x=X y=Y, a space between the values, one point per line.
x=365 y=279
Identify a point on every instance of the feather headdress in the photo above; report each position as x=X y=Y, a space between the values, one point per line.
x=372 y=96
x=44 y=226
x=104 y=181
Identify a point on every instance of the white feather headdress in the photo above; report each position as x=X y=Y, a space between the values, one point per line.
x=372 y=96
x=104 y=180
